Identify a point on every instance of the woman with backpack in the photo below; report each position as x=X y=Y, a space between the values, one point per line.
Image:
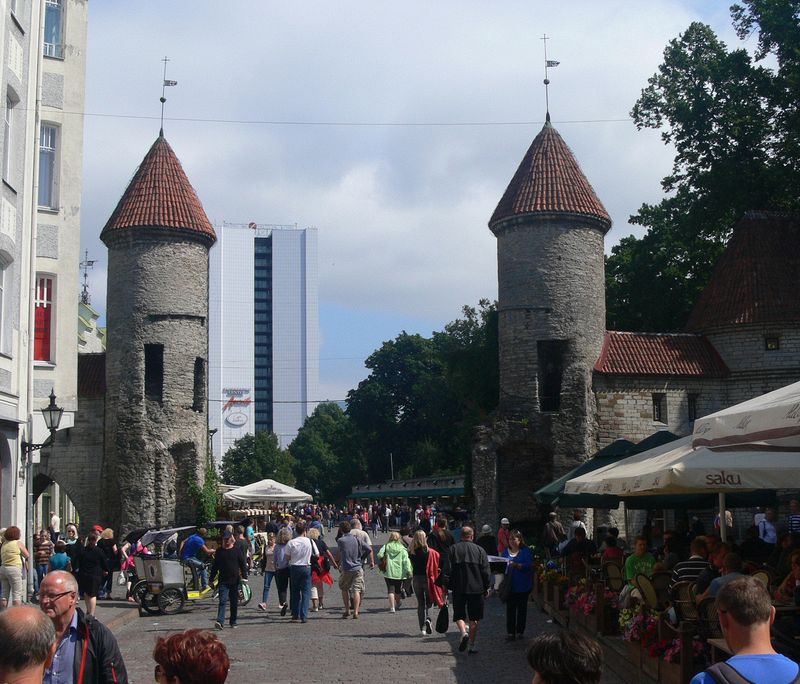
x=395 y=566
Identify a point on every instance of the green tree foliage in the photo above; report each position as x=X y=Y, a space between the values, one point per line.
x=326 y=455
x=257 y=457
x=734 y=126
x=205 y=497
x=424 y=396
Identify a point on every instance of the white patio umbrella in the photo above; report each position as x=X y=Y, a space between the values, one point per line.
x=684 y=469
x=772 y=418
x=267 y=490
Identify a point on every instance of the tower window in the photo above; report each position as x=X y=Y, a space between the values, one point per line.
x=660 y=408
x=772 y=343
x=43 y=314
x=551 y=371
x=53 y=28
x=154 y=372
x=199 y=385
x=48 y=170
x=693 y=406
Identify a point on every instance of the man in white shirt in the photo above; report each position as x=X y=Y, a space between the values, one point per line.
x=575 y=524
x=298 y=553
x=55 y=526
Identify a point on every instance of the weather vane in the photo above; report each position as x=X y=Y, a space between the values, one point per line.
x=165 y=83
x=86 y=264
x=548 y=63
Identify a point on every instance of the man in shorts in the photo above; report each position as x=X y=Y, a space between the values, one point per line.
x=351 y=579
x=469 y=579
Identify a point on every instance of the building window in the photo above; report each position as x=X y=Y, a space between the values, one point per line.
x=660 y=408
x=53 y=28
x=48 y=152
x=551 y=370
x=8 y=137
x=693 y=406
x=43 y=331
x=154 y=372
x=4 y=264
x=199 y=385
x=772 y=343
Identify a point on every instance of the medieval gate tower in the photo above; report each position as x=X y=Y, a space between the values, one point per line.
x=550 y=227
x=156 y=417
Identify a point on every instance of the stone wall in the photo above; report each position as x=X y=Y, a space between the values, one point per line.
x=157 y=294
x=744 y=350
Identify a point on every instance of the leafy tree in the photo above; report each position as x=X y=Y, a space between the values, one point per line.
x=205 y=497
x=327 y=457
x=734 y=126
x=257 y=457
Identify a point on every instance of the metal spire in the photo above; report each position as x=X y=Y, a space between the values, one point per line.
x=164 y=84
x=86 y=264
x=547 y=63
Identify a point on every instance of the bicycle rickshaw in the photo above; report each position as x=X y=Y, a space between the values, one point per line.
x=166 y=583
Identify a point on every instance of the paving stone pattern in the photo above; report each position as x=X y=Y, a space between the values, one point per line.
x=378 y=647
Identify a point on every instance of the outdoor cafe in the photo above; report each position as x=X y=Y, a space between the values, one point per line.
x=652 y=627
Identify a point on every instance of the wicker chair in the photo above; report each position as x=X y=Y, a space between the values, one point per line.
x=661 y=581
x=648 y=592
x=763 y=577
x=683 y=601
x=613 y=577
x=709 y=626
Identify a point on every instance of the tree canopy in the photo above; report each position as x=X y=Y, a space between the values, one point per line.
x=735 y=128
x=257 y=457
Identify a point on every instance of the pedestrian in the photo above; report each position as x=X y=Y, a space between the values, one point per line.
x=553 y=534
x=502 y=535
x=60 y=560
x=13 y=555
x=321 y=572
x=55 y=526
x=357 y=531
x=42 y=550
x=93 y=569
x=351 y=551
x=441 y=539
x=565 y=657
x=231 y=566
x=108 y=545
x=298 y=552
x=28 y=639
x=267 y=568
x=425 y=570
x=746 y=615
x=469 y=580
x=395 y=566
x=487 y=541
x=520 y=572
x=85 y=645
x=282 y=568
x=576 y=524
x=195 y=656
x=766 y=528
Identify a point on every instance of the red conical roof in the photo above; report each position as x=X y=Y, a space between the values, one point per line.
x=161 y=196
x=755 y=279
x=549 y=180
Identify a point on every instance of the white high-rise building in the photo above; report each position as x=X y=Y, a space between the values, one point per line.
x=263 y=332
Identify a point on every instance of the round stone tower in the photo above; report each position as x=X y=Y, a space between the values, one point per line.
x=156 y=417
x=549 y=226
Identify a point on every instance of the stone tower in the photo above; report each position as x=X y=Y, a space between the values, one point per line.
x=550 y=227
x=156 y=426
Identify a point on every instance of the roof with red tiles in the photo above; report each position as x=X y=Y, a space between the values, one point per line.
x=755 y=279
x=549 y=180
x=91 y=375
x=687 y=355
x=160 y=195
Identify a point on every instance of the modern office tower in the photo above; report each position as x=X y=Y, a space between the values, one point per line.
x=43 y=48
x=263 y=332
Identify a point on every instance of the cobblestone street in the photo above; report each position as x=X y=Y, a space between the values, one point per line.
x=379 y=647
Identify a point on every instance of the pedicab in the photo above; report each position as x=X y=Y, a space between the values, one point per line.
x=166 y=583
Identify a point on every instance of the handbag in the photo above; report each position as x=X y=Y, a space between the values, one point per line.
x=122 y=580
x=443 y=620
x=383 y=563
x=504 y=590
x=314 y=554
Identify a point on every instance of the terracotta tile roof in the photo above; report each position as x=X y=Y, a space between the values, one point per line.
x=687 y=355
x=755 y=279
x=549 y=179
x=160 y=195
x=91 y=375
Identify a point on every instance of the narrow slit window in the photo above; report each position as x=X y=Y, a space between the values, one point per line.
x=199 y=385
x=154 y=372
x=660 y=408
x=693 y=407
x=551 y=355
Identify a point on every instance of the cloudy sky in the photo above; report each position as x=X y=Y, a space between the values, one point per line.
x=392 y=127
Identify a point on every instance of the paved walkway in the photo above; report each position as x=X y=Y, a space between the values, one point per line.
x=379 y=647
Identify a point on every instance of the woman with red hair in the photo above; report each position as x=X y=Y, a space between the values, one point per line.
x=195 y=656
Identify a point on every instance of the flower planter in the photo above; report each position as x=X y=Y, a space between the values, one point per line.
x=669 y=673
x=650 y=665
x=592 y=622
x=557 y=600
x=547 y=593
x=635 y=653
x=609 y=624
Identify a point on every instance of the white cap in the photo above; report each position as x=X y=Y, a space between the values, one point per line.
x=505 y=521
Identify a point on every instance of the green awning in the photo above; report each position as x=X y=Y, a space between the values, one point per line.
x=407 y=491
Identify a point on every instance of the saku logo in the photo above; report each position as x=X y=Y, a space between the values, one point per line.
x=723 y=478
x=744 y=422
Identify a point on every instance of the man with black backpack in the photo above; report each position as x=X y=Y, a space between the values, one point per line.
x=746 y=614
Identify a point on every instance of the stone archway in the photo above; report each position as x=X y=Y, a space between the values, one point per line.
x=78 y=481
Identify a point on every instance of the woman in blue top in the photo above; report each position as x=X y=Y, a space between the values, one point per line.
x=520 y=568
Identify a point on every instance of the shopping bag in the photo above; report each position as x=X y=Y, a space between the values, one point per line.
x=443 y=621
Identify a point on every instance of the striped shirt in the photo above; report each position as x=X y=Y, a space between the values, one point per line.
x=688 y=570
x=794 y=523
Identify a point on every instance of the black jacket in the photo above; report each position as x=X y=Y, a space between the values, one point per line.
x=97 y=653
x=467 y=569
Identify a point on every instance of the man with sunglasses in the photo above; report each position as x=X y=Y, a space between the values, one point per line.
x=87 y=652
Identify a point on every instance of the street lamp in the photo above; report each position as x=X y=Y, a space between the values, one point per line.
x=52 y=419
